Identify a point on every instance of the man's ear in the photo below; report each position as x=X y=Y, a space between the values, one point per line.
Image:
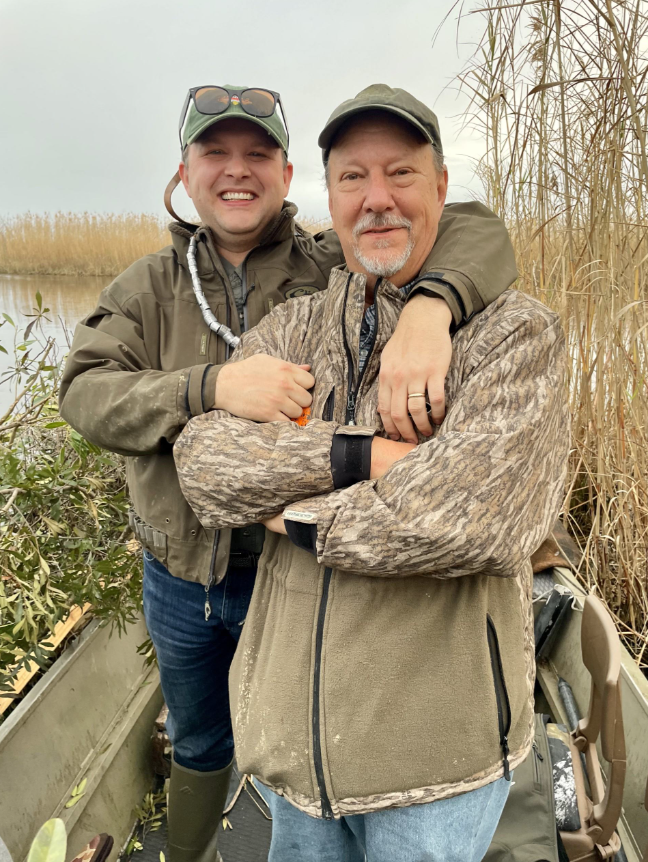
x=442 y=186
x=183 y=170
x=287 y=177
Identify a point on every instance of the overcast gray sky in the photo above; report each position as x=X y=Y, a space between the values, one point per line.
x=91 y=90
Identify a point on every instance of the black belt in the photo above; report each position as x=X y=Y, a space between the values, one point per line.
x=243 y=560
x=248 y=540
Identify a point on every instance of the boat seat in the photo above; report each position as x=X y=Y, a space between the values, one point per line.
x=589 y=833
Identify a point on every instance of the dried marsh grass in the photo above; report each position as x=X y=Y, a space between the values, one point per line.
x=77 y=243
x=559 y=91
x=86 y=243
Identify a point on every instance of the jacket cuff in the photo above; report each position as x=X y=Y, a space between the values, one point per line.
x=350 y=458
x=209 y=387
x=443 y=290
x=196 y=388
x=302 y=535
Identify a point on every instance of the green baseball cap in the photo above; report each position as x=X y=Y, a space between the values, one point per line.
x=197 y=123
x=380 y=97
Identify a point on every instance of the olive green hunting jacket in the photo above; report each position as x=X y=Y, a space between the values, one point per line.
x=387 y=657
x=144 y=361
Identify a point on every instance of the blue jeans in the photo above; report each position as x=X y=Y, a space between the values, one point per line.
x=450 y=830
x=194 y=657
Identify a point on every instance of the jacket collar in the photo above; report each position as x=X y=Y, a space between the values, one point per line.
x=344 y=311
x=281 y=228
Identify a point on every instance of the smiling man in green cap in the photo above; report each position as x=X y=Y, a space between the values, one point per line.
x=153 y=354
x=237 y=207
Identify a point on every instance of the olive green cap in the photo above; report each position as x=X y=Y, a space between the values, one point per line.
x=197 y=123
x=380 y=97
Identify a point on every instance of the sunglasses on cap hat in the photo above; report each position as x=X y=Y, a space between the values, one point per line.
x=214 y=100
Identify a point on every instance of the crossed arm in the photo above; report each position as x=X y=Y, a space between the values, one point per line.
x=476 y=499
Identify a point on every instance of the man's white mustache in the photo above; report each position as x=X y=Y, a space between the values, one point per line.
x=371 y=221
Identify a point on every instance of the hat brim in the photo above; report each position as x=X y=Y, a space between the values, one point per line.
x=211 y=119
x=331 y=129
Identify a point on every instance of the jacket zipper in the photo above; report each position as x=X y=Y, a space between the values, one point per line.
x=327 y=812
x=329 y=406
x=536 y=766
x=501 y=694
x=352 y=392
x=210 y=579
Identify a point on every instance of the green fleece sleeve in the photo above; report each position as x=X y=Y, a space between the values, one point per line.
x=111 y=394
x=471 y=263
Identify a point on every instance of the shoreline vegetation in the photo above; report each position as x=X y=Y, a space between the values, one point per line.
x=77 y=243
x=64 y=536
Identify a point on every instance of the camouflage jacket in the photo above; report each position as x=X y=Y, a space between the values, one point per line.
x=144 y=361
x=388 y=659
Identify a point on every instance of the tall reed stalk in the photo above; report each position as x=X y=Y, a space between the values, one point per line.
x=559 y=91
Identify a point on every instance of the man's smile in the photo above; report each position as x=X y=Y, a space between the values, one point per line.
x=380 y=231
x=237 y=197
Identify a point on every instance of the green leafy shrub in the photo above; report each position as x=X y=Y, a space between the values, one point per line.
x=63 y=512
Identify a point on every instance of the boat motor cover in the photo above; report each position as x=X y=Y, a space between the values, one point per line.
x=527 y=829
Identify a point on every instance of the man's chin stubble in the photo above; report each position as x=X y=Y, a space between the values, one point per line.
x=381 y=267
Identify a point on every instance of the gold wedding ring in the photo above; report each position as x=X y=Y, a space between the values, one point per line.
x=417 y=395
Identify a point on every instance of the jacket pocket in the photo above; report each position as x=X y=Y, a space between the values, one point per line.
x=501 y=694
x=329 y=406
x=538 y=759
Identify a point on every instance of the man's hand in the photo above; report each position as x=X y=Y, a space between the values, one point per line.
x=415 y=359
x=275 y=524
x=264 y=389
x=384 y=453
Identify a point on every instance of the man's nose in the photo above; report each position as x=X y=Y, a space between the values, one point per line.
x=237 y=167
x=378 y=196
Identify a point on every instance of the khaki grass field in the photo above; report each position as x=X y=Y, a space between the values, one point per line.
x=77 y=243
x=558 y=91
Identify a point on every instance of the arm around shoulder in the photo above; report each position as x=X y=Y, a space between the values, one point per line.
x=472 y=261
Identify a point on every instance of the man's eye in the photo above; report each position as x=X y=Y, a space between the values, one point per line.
x=350 y=176
x=258 y=155
x=402 y=172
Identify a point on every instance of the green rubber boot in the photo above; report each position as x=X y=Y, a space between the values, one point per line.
x=196 y=803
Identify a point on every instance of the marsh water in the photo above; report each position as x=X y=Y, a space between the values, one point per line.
x=69 y=298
